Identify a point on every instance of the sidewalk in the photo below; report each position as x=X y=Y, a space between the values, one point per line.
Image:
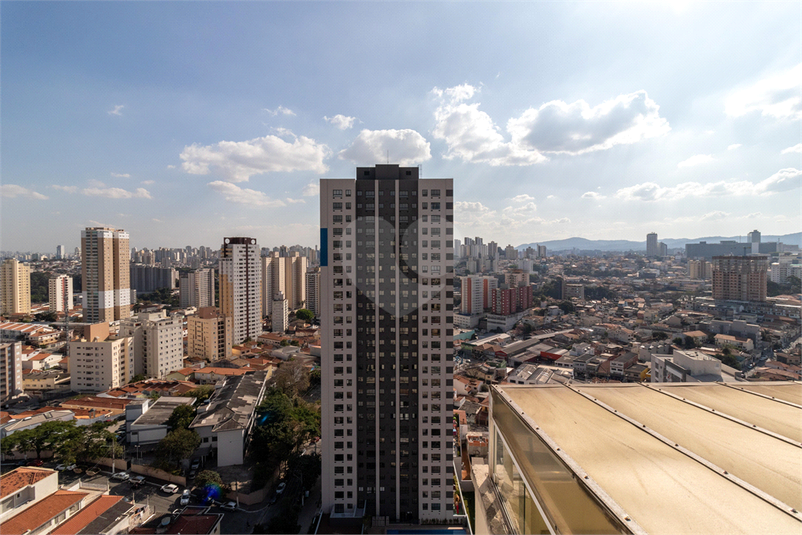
x=309 y=509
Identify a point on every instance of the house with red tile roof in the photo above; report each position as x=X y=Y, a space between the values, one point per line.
x=80 y=521
x=44 y=515
x=23 y=487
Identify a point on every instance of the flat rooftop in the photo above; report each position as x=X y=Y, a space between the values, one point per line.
x=231 y=407
x=160 y=412
x=674 y=458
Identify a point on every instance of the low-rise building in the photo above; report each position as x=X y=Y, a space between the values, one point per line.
x=151 y=426
x=685 y=366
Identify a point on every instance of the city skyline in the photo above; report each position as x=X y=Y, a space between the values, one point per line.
x=188 y=122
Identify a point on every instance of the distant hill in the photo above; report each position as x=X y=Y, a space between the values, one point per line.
x=627 y=245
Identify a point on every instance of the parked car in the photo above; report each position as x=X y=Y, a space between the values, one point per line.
x=36 y=462
x=229 y=506
x=195 y=464
x=185 y=497
x=137 y=480
x=169 y=488
x=281 y=487
x=61 y=467
x=71 y=466
x=121 y=476
x=192 y=474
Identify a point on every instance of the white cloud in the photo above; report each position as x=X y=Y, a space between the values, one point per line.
x=117 y=110
x=577 y=128
x=696 y=160
x=280 y=110
x=555 y=127
x=311 y=189
x=734 y=146
x=796 y=148
x=121 y=175
x=528 y=207
x=713 y=216
x=592 y=195
x=116 y=193
x=148 y=182
x=295 y=201
x=523 y=197
x=11 y=191
x=777 y=96
x=551 y=197
x=754 y=215
x=233 y=193
x=343 y=122
x=782 y=180
x=171 y=166
x=406 y=147
x=68 y=189
x=237 y=161
x=561 y=221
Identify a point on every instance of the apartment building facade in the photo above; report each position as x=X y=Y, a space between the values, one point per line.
x=11 y=382
x=99 y=362
x=477 y=293
x=209 y=335
x=105 y=271
x=158 y=343
x=240 y=287
x=740 y=278
x=196 y=288
x=386 y=295
x=15 y=287
x=60 y=293
x=286 y=274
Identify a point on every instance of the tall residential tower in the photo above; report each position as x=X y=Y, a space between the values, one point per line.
x=105 y=270
x=240 y=287
x=386 y=296
x=15 y=287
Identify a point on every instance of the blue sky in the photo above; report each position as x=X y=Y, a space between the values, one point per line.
x=186 y=122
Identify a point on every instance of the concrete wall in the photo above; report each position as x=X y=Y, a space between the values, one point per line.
x=149 y=471
x=229 y=447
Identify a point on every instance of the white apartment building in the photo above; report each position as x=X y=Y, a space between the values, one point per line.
x=99 y=362
x=280 y=316
x=11 y=383
x=240 y=287
x=158 y=343
x=60 y=293
x=15 y=287
x=684 y=367
x=386 y=343
x=313 y=290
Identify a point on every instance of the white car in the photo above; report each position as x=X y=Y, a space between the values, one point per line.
x=185 y=497
x=170 y=488
x=61 y=467
x=71 y=467
x=230 y=506
x=137 y=480
x=121 y=476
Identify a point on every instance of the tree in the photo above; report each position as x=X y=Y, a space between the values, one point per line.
x=138 y=377
x=659 y=335
x=46 y=317
x=202 y=393
x=181 y=417
x=291 y=378
x=305 y=315
x=177 y=445
x=206 y=477
x=567 y=307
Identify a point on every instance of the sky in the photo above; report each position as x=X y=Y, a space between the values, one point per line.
x=186 y=122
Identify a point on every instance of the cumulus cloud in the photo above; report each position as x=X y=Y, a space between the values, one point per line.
x=118 y=110
x=776 y=96
x=148 y=182
x=523 y=197
x=116 y=193
x=528 y=207
x=237 y=161
x=551 y=197
x=280 y=110
x=713 y=216
x=295 y=201
x=343 y=122
x=121 y=175
x=68 y=189
x=555 y=127
x=734 y=146
x=696 y=160
x=406 y=147
x=12 y=191
x=233 y=193
x=782 y=180
x=795 y=148
x=592 y=195
x=311 y=189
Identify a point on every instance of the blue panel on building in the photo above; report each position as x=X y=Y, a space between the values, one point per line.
x=324 y=247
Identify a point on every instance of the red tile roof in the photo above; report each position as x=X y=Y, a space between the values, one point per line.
x=20 y=478
x=42 y=512
x=194 y=524
x=86 y=515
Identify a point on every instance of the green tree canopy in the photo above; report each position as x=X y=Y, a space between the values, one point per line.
x=305 y=315
x=292 y=378
x=177 y=445
x=208 y=476
x=181 y=417
x=202 y=393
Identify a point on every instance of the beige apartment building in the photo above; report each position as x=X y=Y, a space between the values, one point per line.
x=15 y=287
x=285 y=274
x=60 y=293
x=105 y=268
x=99 y=362
x=209 y=335
x=10 y=370
x=158 y=342
x=740 y=278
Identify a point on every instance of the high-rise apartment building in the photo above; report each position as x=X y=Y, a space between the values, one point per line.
x=280 y=315
x=740 y=278
x=158 y=342
x=700 y=269
x=196 y=288
x=313 y=290
x=10 y=370
x=652 y=248
x=15 y=287
x=387 y=340
x=285 y=274
x=209 y=335
x=60 y=293
x=99 y=361
x=476 y=293
x=61 y=252
x=240 y=287
x=105 y=270
x=511 y=300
